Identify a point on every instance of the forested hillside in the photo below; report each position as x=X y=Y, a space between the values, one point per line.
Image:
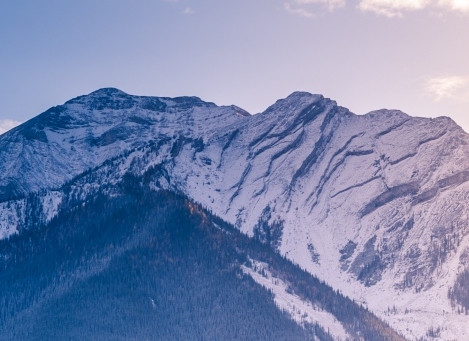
x=154 y=266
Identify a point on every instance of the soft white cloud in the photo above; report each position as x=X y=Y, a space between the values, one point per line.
x=397 y=8
x=455 y=5
x=6 y=125
x=388 y=8
x=330 y=4
x=298 y=11
x=392 y=8
x=188 y=10
x=448 y=87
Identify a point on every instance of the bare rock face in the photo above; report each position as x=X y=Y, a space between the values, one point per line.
x=375 y=205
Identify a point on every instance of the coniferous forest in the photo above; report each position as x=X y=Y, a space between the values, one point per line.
x=146 y=265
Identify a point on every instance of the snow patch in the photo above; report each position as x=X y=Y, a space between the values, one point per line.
x=51 y=204
x=10 y=217
x=302 y=312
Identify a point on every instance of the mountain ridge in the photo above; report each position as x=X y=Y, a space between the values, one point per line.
x=370 y=204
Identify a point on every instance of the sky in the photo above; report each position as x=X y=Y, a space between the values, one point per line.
x=411 y=55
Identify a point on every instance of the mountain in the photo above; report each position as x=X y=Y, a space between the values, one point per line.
x=374 y=205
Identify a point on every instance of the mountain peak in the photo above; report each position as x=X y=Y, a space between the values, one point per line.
x=297 y=94
x=303 y=96
x=105 y=98
x=295 y=101
x=108 y=91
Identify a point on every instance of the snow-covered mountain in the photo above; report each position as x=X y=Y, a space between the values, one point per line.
x=375 y=204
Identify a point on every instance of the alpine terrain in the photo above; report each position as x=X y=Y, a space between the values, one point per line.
x=129 y=218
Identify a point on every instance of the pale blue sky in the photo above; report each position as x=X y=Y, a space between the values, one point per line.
x=411 y=55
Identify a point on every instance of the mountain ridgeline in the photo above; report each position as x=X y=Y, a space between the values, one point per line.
x=129 y=217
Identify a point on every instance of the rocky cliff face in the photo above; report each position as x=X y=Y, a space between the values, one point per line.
x=375 y=205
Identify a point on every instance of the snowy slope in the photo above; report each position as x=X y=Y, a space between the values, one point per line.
x=86 y=131
x=301 y=310
x=375 y=205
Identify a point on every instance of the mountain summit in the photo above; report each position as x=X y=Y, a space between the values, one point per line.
x=374 y=205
